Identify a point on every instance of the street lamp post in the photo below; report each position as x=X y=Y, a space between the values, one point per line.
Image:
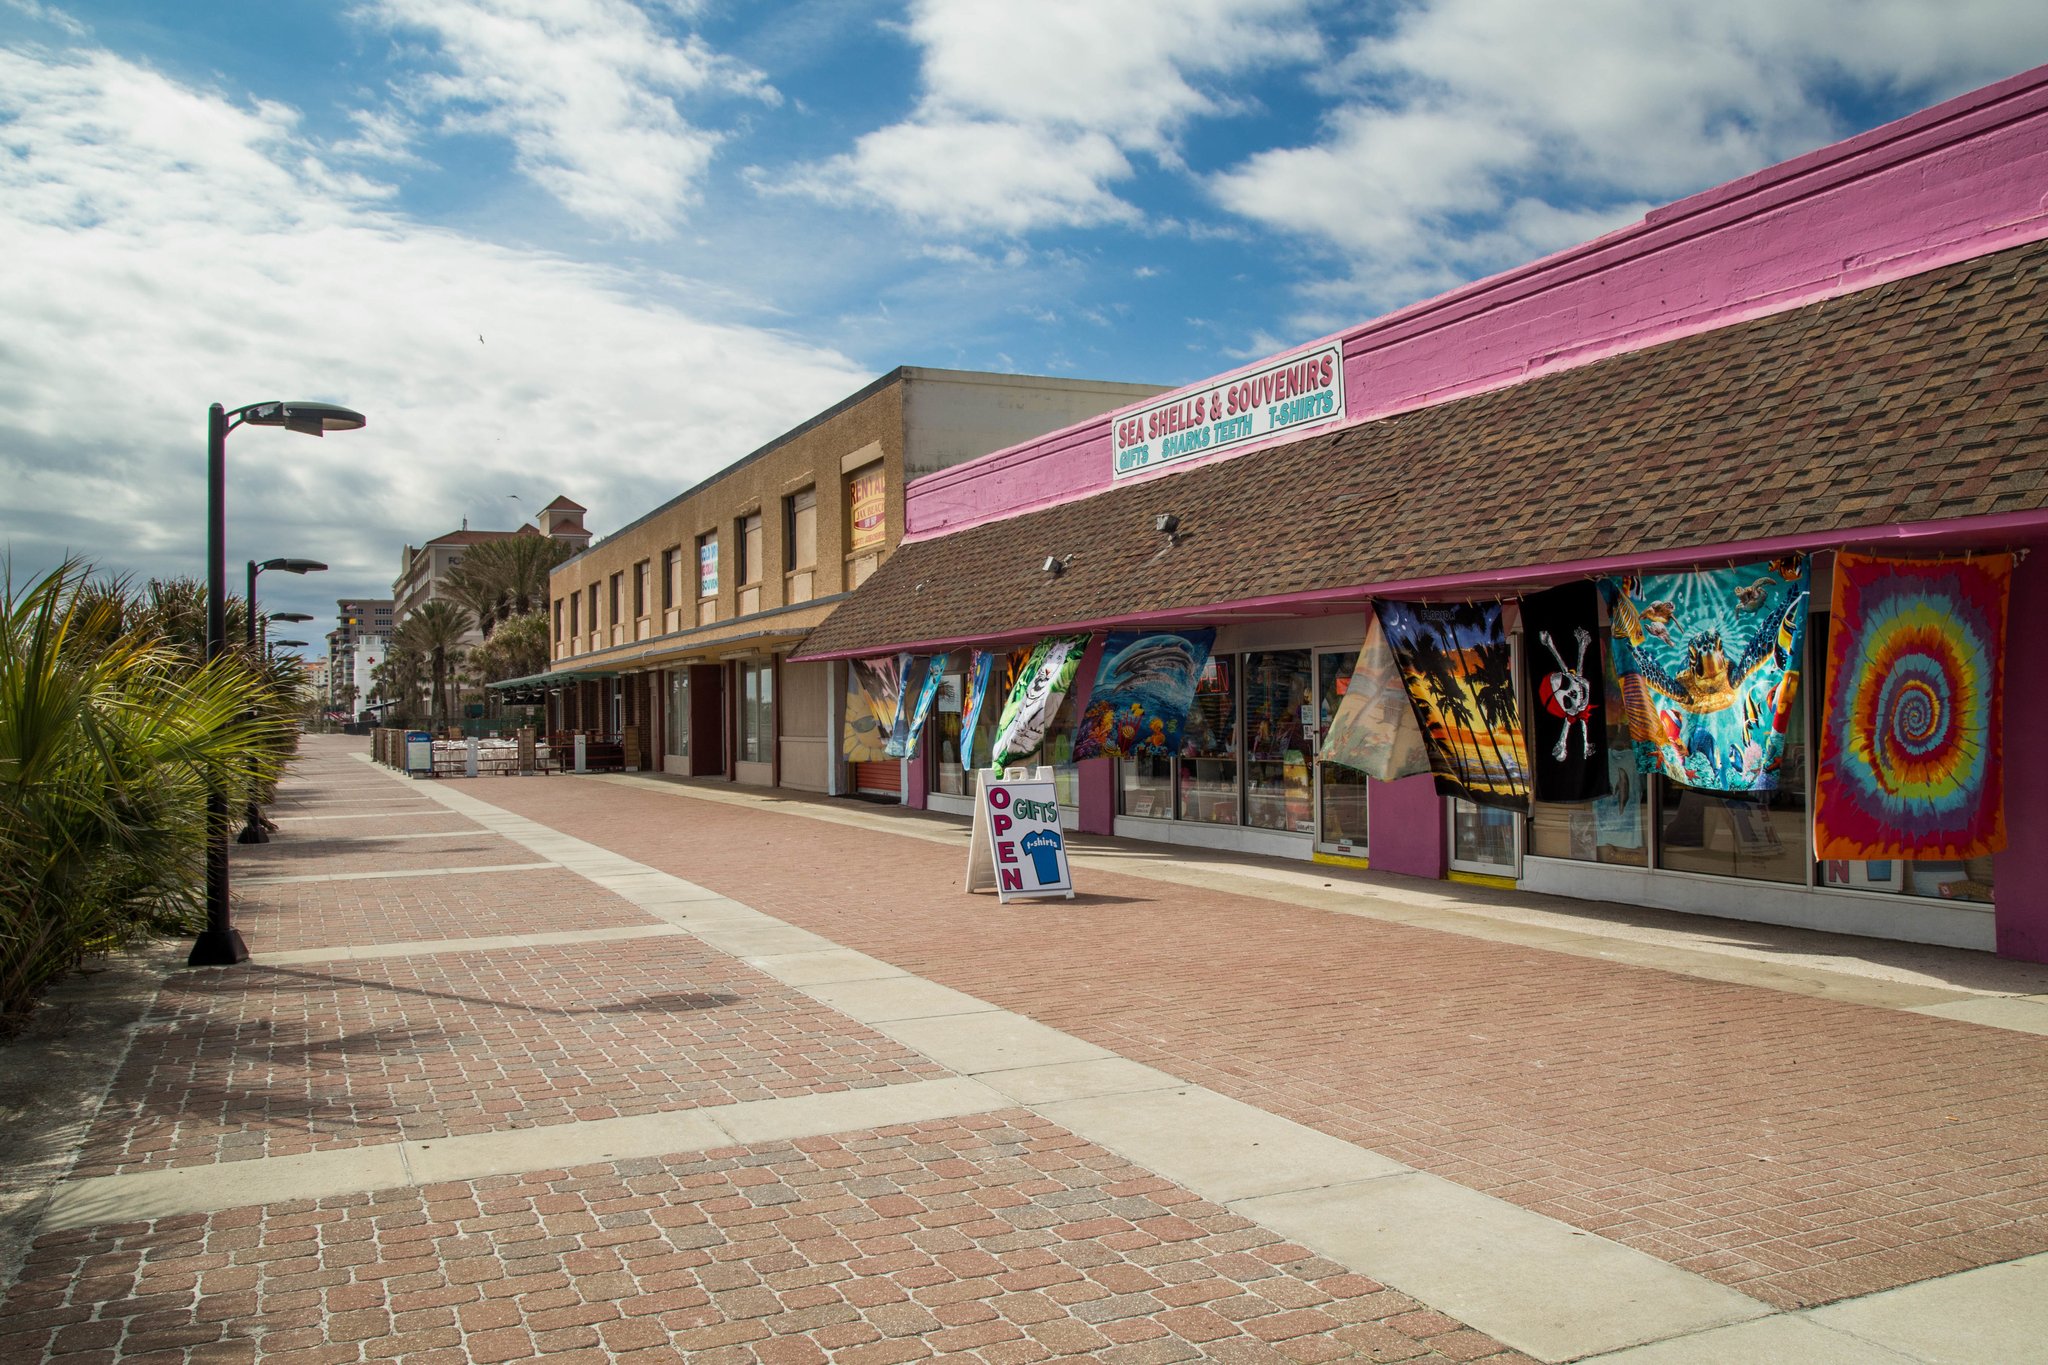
x=218 y=945
x=254 y=830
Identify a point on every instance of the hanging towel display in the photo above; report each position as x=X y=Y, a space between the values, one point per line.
x=1909 y=751
x=980 y=667
x=872 y=689
x=915 y=671
x=1568 y=740
x=1374 y=730
x=1708 y=664
x=1035 y=699
x=1143 y=688
x=922 y=678
x=1458 y=669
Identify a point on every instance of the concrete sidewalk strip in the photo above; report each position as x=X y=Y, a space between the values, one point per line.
x=425 y=813
x=889 y=998
x=1996 y=1313
x=383 y=838
x=361 y=1170
x=386 y=876
x=2020 y=1013
x=476 y=1155
x=1527 y=1280
x=1040 y=1085
x=1786 y=1337
x=804 y=970
x=770 y=938
x=481 y=943
x=847 y=1111
x=1222 y=1149
x=994 y=1040
x=223 y=1185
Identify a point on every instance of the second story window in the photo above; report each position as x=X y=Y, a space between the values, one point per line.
x=558 y=618
x=574 y=598
x=671 y=576
x=707 y=566
x=640 y=572
x=749 y=543
x=800 y=530
x=593 y=609
x=617 y=582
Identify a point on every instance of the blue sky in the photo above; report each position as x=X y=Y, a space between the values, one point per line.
x=604 y=247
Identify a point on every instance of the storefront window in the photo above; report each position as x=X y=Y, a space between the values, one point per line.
x=1482 y=837
x=1608 y=830
x=1208 y=750
x=1276 y=720
x=757 y=712
x=1146 y=787
x=1761 y=837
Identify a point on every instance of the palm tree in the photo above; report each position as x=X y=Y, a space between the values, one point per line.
x=500 y=579
x=110 y=736
x=1494 y=685
x=434 y=631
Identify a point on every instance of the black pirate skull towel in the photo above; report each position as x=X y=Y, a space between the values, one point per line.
x=1567 y=686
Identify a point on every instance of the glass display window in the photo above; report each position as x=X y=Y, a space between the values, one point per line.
x=1278 y=718
x=1145 y=787
x=942 y=737
x=1206 y=790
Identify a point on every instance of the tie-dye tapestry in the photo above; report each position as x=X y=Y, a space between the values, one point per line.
x=1374 y=730
x=1909 y=754
x=1035 y=699
x=1568 y=714
x=1708 y=664
x=1143 y=688
x=1458 y=669
x=917 y=675
x=873 y=687
x=980 y=668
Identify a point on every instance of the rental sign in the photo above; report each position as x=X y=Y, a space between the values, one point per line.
x=1306 y=389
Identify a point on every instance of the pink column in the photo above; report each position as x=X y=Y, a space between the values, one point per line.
x=1095 y=788
x=1405 y=827
x=2020 y=873
x=917 y=775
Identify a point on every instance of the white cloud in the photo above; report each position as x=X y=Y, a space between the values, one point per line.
x=167 y=247
x=586 y=92
x=49 y=14
x=1030 y=113
x=1475 y=134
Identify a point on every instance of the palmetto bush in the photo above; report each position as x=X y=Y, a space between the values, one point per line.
x=109 y=737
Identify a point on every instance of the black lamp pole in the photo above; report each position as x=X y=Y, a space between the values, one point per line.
x=254 y=828
x=219 y=945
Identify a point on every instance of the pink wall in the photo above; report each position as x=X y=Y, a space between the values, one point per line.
x=2020 y=873
x=1958 y=180
x=1405 y=827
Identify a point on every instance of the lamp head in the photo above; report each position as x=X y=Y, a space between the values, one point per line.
x=312 y=419
x=287 y=644
x=290 y=616
x=292 y=566
x=1054 y=565
x=1166 y=523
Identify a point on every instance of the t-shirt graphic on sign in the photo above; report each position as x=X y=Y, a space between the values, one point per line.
x=1042 y=847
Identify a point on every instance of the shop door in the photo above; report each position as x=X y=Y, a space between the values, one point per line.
x=677 y=740
x=1340 y=792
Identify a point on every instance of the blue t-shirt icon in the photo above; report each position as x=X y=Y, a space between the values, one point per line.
x=1042 y=846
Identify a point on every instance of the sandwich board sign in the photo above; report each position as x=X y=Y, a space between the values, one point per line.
x=1016 y=846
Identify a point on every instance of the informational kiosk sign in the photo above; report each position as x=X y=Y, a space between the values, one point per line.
x=1301 y=390
x=1016 y=846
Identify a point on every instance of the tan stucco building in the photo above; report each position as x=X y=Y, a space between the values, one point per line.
x=672 y=632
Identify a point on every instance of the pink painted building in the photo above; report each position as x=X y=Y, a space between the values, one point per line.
x=1843 y=352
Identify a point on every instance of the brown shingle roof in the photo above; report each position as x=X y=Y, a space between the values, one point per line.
x=1922 y=399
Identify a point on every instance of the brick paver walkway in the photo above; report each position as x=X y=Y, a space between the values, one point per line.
x=1799 y=1149
x=998 y=1236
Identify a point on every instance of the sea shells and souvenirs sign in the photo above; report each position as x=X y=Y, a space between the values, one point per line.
x=1016 y=846
x=1301 y=390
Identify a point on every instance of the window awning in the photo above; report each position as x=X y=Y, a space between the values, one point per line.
x=1918 y=401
